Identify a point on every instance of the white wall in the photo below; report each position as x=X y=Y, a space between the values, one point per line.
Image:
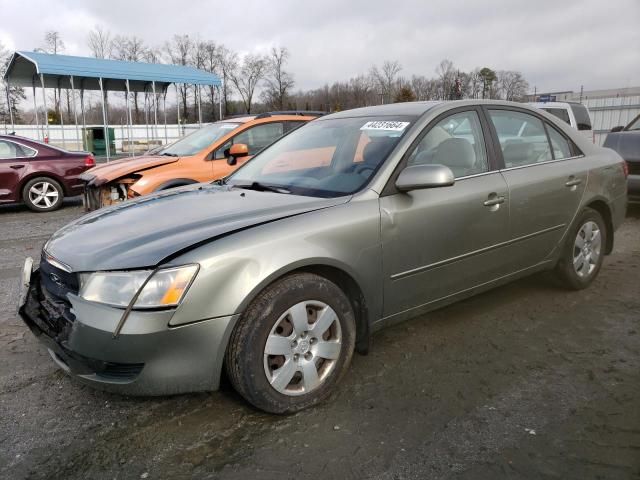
x=66 y=137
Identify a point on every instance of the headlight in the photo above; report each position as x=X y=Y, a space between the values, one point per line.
x=165 y=288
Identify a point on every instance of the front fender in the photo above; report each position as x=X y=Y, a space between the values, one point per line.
x=235 y=268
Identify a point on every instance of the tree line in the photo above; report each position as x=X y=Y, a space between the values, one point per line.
x=256 y=82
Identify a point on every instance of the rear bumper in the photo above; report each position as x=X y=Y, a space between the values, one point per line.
x=147 y=358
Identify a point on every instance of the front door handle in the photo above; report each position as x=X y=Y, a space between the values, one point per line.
x=573 y=182
x=16 y=167
x=493 y=201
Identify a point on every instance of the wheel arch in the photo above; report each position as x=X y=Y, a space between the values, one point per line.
x=337 y=274
x=46 y=174
x=175 y=182
x=602 y=207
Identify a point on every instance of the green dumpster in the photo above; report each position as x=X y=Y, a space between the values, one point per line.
x=93 y=140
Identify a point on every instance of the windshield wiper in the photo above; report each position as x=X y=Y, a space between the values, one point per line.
x=261 y=187
x=166 y=154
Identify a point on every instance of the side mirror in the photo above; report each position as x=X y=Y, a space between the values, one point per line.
x=619 y=128
x=236 y=151
x=424 y=176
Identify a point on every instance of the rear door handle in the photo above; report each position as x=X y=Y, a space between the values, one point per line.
x=16 y=167
x=573 y=182
x=492 y=201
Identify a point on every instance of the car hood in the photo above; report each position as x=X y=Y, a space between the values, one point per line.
x=627 y=144
x=106 y=172
x=144 y=232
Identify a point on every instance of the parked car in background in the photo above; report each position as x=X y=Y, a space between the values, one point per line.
x=357 y=220
x=573 y=113
x=626 y=141
x=211 y=152
x=39 y=174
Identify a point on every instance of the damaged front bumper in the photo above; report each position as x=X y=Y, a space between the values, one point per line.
x=96 y=197
x=148 y=358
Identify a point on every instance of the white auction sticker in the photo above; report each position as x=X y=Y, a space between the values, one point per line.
x=385 y=125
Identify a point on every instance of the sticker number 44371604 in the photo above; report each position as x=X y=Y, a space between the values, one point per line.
x=385 y=125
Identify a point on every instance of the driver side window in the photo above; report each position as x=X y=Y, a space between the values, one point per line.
x=255 y=138
x=456 y=142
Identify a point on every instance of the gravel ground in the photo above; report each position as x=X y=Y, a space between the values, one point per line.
x=526 y=381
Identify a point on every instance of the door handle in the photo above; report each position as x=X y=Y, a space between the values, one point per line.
x=492 y=201
x=16 y=167
x=573 y=182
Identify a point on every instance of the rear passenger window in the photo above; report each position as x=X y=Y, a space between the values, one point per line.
x=456 y=142
x=522 y=138
x=561 y=113
x=559 y=144
x=583 y=121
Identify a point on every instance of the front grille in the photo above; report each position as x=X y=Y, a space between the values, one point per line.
x=121 y=371
x=634 y=168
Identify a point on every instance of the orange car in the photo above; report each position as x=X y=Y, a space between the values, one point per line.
x=210 y=153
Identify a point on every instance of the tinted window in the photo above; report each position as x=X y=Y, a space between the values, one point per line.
x=561 y=113
x=196 y=141
x=522 y=138
x=560 y=145
x=255 y=138
x=288 y=126
x=14 y=150
x=582 y=117
x=456 y=142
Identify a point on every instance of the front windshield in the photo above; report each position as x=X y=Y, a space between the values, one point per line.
x=196 y=141
x=325 y=158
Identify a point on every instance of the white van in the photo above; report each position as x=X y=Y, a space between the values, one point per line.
x=575 y=114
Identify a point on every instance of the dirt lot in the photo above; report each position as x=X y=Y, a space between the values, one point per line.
x=526 y=381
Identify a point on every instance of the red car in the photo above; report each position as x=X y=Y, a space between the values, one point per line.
x=39 y=174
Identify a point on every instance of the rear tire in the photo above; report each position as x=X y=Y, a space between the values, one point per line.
x=43 y=194
x=583 y=252
x=292 y=345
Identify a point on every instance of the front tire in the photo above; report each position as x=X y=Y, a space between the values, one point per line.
x=583 y=252
x=292 y=345
x=43 y=194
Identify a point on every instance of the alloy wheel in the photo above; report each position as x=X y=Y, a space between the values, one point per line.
x=43 y=194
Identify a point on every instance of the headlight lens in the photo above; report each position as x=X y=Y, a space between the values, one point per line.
x=165 y=288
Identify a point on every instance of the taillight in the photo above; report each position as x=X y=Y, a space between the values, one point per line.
x=89 y=161
x=625 y=168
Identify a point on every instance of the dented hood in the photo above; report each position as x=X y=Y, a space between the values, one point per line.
x=143 y=232
x=106 y=172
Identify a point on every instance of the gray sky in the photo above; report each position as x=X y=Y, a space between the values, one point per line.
x=556 y=44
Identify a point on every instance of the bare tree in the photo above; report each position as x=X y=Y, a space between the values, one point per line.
x=100 y=42
x=247 y=77
x=130 y=49
x=207 y=53
x=447 y=75
x=512 y=85
x=385 y=78
x=9 y=99
x=53 y=44
x=228 y=64
x=279 y=82
x=180 y=53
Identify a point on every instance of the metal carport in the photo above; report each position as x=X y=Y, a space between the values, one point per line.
x=43 y=70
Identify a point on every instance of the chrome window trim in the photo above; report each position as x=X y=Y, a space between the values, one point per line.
x=542 y=163
x=26 y=147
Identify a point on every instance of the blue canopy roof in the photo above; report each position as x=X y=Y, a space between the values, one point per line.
x=25 y=67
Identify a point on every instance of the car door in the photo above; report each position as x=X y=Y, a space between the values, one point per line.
x=13 y=164
x=546 y=176
x=442 y=241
